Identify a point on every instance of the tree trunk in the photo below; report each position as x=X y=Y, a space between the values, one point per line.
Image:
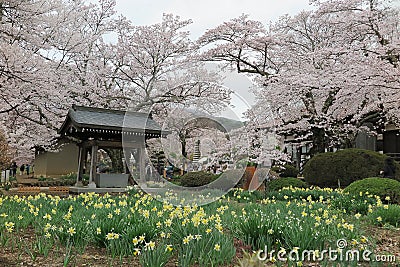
x=318 y=140
x=182 y=139
x=5 y=159
x=116 y=156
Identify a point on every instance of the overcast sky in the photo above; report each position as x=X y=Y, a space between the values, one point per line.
x=207 y=14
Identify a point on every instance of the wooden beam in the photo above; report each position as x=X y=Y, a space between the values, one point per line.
x=113 y=144
x=80 y=167
x=142 y=164
x=93 y=166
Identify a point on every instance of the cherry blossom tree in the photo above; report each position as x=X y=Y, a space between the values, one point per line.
x=23 y=69
x=46 y=64
x=324 y=73
x=157 y=64
x=57 y=53
x=5 y=157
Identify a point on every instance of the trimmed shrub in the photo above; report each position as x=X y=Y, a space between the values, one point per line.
x=289 y=171
x=276 y=185
x=286 y=170
x=344 y=166
x=382 y=187
x=194 y=179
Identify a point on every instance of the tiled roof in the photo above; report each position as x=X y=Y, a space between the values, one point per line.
x=99 y=118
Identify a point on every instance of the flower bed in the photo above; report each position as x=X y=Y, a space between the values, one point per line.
x=136 y=230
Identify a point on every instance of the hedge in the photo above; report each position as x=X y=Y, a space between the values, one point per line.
x=344 y=167
x=286 y=170
x=382 y=187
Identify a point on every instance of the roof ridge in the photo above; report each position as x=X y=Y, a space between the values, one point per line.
x=105 y=110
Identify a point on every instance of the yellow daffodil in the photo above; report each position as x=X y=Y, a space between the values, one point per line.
x=151 y=245
x=186 y=240
x=71 y=231
x=169 y=248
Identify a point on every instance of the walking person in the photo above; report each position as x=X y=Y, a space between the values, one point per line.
x=27 y=169
x=14 y=169
x=22 y=169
